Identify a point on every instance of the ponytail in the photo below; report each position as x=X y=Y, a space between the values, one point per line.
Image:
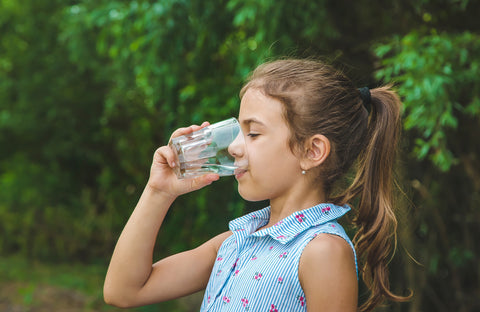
x=375 y=219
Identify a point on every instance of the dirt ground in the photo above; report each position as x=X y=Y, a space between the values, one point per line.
x=23 y=297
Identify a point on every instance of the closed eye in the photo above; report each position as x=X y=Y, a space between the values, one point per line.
x=252 y=135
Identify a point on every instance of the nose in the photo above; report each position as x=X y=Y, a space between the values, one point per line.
x=237 y=147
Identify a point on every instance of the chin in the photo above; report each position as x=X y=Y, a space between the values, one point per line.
x=251 y=194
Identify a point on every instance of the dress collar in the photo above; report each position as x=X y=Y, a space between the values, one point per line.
x=289 y=227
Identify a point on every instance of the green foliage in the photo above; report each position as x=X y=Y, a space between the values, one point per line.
x=112 y=80
x=435 y=70
x=437 y=76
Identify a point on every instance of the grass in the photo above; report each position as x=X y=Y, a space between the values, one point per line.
x=36 y=287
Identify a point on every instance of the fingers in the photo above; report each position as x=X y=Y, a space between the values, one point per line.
x=188 y=130
x=202 y=181
x=166 y=153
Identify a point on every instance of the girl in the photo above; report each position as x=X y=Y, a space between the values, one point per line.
x=305 y=125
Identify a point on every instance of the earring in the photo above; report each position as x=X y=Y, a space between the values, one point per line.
x=304 y=172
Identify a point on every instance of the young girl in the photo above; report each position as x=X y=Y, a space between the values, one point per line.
x=305 y=126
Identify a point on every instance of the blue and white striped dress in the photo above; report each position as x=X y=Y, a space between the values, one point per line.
x=258 y=270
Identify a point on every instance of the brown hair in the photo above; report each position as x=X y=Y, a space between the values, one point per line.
x=318 y=99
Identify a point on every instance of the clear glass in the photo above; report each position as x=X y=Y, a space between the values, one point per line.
x=209 y=149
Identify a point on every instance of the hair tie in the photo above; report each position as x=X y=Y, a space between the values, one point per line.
x=366 y=98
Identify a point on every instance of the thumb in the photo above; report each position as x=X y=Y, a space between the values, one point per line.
x=202 y=181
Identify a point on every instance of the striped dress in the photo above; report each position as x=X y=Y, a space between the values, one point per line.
x=258 y=270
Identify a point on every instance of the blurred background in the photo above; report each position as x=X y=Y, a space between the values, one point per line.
x=89 y=89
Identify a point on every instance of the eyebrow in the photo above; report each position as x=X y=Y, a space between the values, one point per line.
x=252 y=120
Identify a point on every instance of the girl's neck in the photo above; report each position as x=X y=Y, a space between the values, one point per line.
x=286 y=205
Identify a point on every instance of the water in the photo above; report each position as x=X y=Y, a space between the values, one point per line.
x=220 y=162
x=189 y=170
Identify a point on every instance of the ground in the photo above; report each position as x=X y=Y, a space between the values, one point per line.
x=24 y=297
x=34 y=286
x=27 y=297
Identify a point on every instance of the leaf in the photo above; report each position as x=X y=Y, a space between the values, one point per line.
x=433 y=78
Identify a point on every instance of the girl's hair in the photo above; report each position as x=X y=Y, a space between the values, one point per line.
x=318 y=99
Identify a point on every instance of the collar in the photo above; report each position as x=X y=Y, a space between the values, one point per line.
x=288 y=228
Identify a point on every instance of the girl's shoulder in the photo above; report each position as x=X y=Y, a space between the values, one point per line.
x=329 y=245
x=328 y=260
x=218 y=240
x=330 y=240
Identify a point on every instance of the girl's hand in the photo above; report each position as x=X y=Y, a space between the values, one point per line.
x=163 y=178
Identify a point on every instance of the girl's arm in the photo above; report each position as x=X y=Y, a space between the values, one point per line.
x=131 y=278
x=327 y=275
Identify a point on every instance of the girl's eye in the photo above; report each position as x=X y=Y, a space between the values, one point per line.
x=252 y=135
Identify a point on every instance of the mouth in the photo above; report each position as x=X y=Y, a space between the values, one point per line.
x=239 y=172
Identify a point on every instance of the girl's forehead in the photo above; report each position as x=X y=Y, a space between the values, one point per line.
x=257 y=108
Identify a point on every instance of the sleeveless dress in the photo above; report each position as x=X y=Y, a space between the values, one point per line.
x=258 y=270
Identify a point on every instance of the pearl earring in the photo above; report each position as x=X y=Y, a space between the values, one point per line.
x=304 y=172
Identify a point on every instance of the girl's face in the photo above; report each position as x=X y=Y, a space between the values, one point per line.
x=273 y=170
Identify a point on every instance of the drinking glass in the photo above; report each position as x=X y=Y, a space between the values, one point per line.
x=209 y=150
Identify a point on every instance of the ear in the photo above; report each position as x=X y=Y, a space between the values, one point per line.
x=317 y=150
